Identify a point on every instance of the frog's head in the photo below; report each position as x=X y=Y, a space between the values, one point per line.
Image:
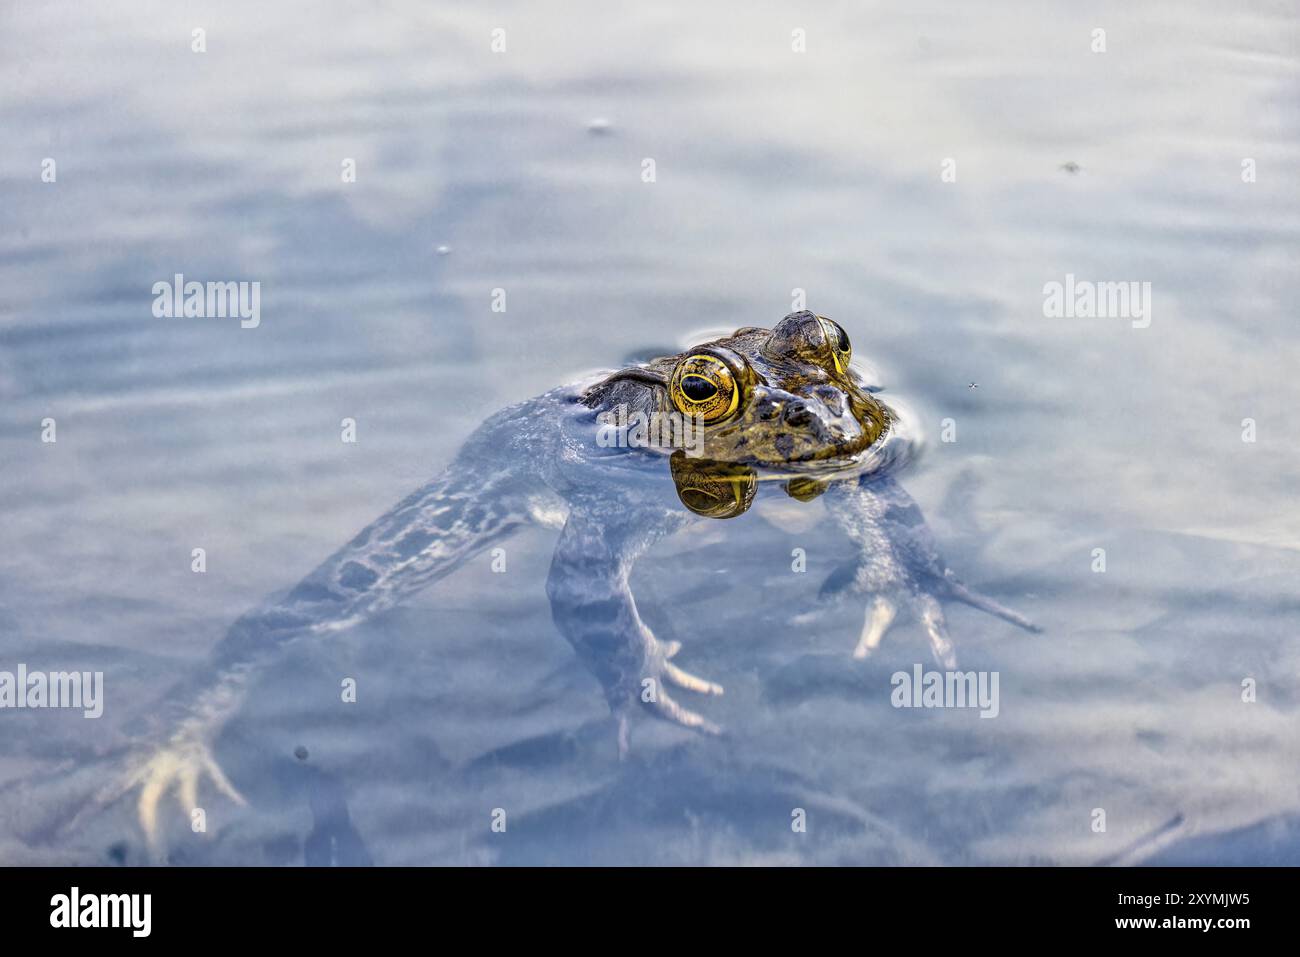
x=762 y=397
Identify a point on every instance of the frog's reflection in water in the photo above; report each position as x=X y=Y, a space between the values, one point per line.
x=725 y=489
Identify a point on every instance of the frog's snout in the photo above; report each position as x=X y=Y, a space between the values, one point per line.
x=814 y=419
x=820 y=415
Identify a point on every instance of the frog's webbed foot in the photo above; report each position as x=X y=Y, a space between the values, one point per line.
x=181 y=765
x=593 y=607
x=657 y=700
x=881 y=614
x=899 y=566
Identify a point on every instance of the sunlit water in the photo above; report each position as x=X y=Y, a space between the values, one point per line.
x=775 y=171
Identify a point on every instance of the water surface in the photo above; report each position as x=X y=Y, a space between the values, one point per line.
x=775 y=171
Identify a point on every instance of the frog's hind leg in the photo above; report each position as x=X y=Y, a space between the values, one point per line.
x=487 y=493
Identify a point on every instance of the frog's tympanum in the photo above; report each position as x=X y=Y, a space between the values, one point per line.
x=619 y=462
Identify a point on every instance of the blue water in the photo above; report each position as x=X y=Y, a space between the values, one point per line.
x=775 y=171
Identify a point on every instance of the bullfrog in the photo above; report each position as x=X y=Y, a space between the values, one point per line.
x=617 y=462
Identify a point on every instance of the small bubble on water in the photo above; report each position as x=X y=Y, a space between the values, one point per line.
x=300 y=753
x=443 y=250
x=598 y=126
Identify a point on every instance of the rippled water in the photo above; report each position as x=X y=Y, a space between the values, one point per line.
x=775 y=171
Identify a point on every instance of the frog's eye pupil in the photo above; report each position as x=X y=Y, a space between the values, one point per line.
x=698 y=389
x=843 y=339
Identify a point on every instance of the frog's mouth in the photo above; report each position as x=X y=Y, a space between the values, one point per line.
x=827 y=444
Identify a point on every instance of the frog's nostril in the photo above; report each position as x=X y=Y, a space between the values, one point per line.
x=798 y=414
x=832 y=398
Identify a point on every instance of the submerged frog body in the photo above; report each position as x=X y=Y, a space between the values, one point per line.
x=780 y=408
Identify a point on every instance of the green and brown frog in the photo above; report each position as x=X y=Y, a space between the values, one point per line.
x=782 y=409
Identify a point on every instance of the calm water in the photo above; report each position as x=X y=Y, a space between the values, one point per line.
x=775 y=171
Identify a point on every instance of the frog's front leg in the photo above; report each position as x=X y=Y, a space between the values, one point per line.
x=593 y=607
x=898 y=564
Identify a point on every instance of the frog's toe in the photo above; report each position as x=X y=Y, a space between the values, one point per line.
x=931 y=615
x=688 y=681
x=679 y=677
x=623 y=734
x=880 y=615
x=147 y=808
x=669 y=710
x=222 y=782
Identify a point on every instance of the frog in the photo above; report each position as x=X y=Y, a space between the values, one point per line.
x=784 y=408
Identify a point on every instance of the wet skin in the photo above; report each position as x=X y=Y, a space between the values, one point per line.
x=780 y=406
x=767 y=398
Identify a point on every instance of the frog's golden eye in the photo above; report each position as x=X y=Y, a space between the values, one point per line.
x=704 y=387
x=841 y=348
